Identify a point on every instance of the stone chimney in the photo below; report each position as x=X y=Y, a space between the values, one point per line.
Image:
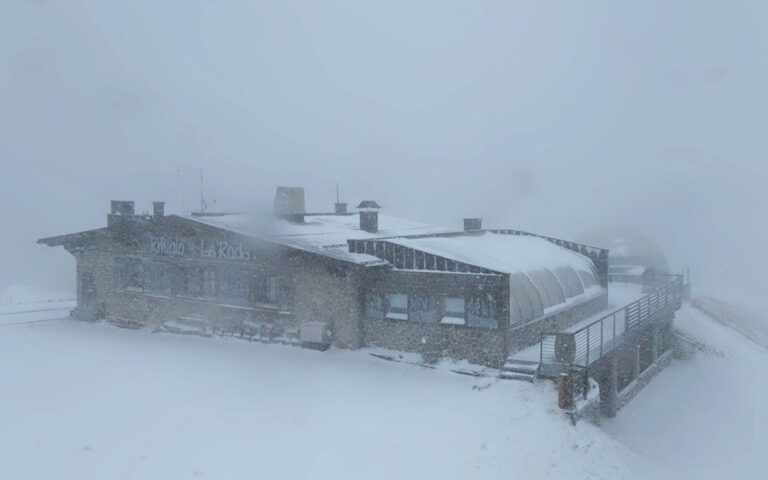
x=122 y=207
x=121 y=213
x=473 y=224
x=289 y=204
x=369 y=216
x=158 y=209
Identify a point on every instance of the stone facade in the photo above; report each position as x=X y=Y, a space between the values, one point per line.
x=332 y=299
x=477 y=345
x=325 y=291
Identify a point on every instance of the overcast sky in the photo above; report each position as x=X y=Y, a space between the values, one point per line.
x=555 y=116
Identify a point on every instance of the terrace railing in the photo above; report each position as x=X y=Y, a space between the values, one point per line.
x=563 y=352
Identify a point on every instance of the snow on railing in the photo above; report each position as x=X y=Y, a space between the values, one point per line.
x=563 y=350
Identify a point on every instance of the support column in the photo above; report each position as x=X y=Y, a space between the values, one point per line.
x=609 y=389
x=636 y=363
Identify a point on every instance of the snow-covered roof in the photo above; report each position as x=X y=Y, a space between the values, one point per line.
x=633 y=270
x=543 y=276
x=323 y=234
x=501 y=253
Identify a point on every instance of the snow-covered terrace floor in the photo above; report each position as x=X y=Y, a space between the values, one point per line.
x=619 y=295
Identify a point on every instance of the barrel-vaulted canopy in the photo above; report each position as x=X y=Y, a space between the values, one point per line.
x=543 y=277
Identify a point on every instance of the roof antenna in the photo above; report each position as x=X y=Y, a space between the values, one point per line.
x=339 y=208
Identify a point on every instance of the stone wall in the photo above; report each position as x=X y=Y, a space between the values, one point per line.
x=149 y=309
x=333 y=300
x=478 y=345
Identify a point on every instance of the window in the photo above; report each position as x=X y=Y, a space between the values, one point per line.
x=272 y=289
x=423 y=308
x=157 y=279
x=397 y=306
x=481 y=312
x=234 y=287
x=453 y=311
x=200 y=282
x=131 y=275
x=373 y=306
x=285 y=294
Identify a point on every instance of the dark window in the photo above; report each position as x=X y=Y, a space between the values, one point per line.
x=373 y=305
x=397 y=306
x=453 y=311
x=131 y=275
x=157 y=279
x=200 y=282
x=272 y=289
x=481 y=311
x=286 y=294
x=235 y=287
x=423 y=308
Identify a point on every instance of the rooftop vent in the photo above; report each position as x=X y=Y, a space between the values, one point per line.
x=289 y=203
x=369 y=216
x=340 y=208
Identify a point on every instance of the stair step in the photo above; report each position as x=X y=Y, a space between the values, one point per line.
x=513 y=367
x=517 y=376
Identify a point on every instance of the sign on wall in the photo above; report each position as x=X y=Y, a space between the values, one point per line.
x=224 y=249
x=166 y=246
x=220 y=249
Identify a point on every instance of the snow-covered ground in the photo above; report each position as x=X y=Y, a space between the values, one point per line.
x=93 y=401
x=706 y=417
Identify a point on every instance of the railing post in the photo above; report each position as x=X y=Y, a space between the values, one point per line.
x=588 y=335
x=601 y=337
x=541 y=350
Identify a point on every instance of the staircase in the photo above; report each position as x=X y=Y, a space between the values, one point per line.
x=515 y=369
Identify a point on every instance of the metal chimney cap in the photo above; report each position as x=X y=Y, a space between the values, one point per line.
x=369 y=204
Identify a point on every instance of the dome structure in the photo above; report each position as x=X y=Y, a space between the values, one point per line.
x=627 y=247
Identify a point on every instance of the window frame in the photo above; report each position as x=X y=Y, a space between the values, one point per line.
x=446 y=317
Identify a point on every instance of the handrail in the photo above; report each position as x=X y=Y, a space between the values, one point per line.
x=583 y=346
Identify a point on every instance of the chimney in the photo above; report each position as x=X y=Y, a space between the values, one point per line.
x=289 y=204
x=341 y=208
x=159 y=209
x=121 y=213
x=369 y=216
x=122 y=207
x=473 y=224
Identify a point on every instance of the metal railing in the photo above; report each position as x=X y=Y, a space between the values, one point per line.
x=560 y=352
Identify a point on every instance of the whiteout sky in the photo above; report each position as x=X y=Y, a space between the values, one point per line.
x=554 y=116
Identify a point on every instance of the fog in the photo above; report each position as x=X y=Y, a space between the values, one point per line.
x=553 y=116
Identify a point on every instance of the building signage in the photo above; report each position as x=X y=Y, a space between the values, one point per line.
x=224 y=249
x=166 y=246
x=208 y=249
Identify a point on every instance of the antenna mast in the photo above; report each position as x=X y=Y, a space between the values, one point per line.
x=202 y=200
